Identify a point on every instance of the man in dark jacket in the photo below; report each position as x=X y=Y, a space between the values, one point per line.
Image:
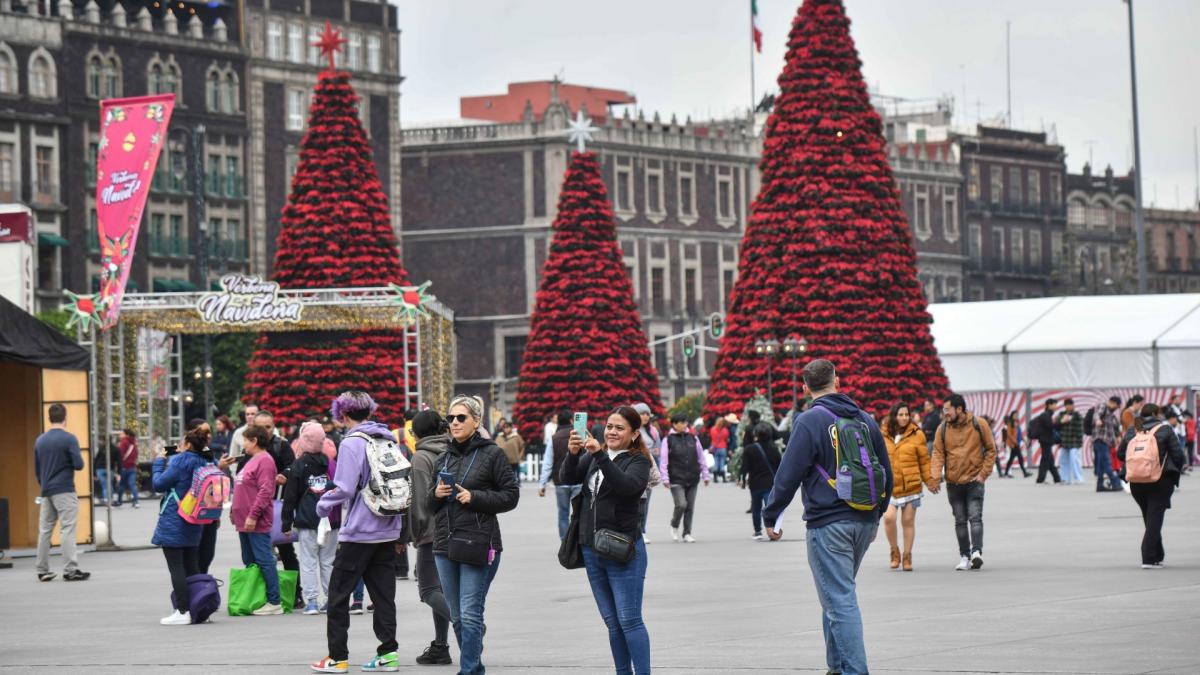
x=838 y=535
x=552 y=461
x=1070 y=423
x=56 y=459
x=1041 y=429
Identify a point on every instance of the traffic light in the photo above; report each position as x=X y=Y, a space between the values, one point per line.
x=689 y=346
x=716 y=325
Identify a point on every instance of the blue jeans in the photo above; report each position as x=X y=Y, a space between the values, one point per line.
x=466 y=588
x=1103 y=466
x=966 y=503
x=758 y=499
x=256 y=550
x=618 y=591
x=128 y=482
x=1072 y=465
x=835 y=552
x=564 y=494
x=719 y=459
x=102 y=475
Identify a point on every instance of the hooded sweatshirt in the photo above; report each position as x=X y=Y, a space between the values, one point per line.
x=359 y=524
x=426 y=459
x=810 y=445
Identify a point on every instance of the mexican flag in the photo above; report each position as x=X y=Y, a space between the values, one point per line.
x=755 y=28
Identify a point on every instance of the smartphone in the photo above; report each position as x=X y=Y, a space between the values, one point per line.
x=449 y=479
x=580 y=424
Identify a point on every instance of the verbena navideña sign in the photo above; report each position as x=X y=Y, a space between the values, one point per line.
x=246 y=300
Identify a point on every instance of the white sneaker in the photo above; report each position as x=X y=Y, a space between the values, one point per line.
x=964 y=564
x=645 y=538
x=1145 y=566
x=976 y=560
x=268 y=610
x=675 y=533
x=688 y=539
x=177 y=619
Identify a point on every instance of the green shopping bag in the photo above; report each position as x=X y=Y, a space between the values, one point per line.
x=248 y=590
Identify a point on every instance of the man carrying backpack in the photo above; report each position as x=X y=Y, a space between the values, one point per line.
x=365 y=541
x=1104 y=441
x=964 y=450
x=839 y=530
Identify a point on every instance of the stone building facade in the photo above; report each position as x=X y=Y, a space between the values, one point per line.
x=479 y=200
x=1173 y=252
x=1099 y=248
x=57 y=61
x=1015 y=213
x=283 y=65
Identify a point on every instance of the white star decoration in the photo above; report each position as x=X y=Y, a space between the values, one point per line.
x=580 y=130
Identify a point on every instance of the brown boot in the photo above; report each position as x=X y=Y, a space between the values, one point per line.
x=895 y=557
x=907 y=562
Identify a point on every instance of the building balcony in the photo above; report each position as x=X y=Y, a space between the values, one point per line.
x=167 y=181
x=1006 y=208
x=228 y=249
x=10 y=191
x=44 y=194
x=168 y=246
x=225 y=185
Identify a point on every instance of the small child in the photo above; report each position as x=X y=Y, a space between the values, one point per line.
x=309 y=477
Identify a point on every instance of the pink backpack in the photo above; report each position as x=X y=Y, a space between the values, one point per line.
x=1142 y=464
x=205 y=500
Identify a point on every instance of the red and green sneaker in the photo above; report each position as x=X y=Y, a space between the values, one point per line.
x=383 y=663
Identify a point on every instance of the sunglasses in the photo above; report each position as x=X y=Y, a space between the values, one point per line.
x=460 y=418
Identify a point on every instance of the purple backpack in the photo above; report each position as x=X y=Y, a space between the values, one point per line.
x=204 y=597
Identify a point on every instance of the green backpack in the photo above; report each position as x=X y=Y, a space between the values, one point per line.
x=860 y=479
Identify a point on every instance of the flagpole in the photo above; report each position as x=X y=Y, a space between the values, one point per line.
x=753 y=103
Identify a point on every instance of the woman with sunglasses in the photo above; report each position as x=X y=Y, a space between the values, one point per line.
x=474 y=484
x=614 y=476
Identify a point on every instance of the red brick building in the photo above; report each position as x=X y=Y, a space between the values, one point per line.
x=478 y=201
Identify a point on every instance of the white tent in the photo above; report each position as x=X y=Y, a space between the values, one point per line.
x=1086 y=341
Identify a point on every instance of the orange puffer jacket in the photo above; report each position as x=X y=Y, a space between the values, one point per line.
x=910 y=460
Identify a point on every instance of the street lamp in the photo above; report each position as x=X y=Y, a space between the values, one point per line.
x=768 y=349
x=794 y=348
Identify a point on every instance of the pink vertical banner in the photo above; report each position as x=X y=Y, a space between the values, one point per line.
x=132 y=133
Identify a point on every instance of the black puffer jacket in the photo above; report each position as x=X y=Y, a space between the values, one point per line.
x=620 y=495
x=492 y=485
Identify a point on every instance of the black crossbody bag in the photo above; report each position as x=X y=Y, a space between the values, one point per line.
x=610 y=543
x=469 y=547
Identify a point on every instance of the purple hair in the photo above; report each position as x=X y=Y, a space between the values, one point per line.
x=353 y=401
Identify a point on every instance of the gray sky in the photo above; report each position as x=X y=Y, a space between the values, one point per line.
x=1070 y=62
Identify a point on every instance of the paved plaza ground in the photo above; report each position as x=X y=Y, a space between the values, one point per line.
x=1061 y=592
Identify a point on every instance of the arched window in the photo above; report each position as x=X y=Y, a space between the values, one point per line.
x=8 y=70
x=95 y=65
x=232 y=92
x=213 y=90
x=112 y=77
x=42 y=80
x=154 y=78
x=171 y=81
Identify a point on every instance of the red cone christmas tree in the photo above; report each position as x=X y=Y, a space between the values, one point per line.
x=335 y=232
x=586 y=349
x=827 y=253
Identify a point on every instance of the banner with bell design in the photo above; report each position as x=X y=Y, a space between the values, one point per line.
x=132 y=133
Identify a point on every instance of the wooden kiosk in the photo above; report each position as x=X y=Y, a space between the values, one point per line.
x=39 y=367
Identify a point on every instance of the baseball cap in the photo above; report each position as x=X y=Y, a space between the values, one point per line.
x=642 y=409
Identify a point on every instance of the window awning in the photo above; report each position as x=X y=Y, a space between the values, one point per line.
x=51 y=239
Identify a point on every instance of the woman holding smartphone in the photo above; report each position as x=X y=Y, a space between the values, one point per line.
x=614 y=476
x=474 y=484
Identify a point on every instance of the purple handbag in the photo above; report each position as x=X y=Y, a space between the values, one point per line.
x=277 y=536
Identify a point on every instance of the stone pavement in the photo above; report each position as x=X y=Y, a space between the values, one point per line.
x=1061 y=592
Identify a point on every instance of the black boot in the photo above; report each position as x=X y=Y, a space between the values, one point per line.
x=437 y=654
